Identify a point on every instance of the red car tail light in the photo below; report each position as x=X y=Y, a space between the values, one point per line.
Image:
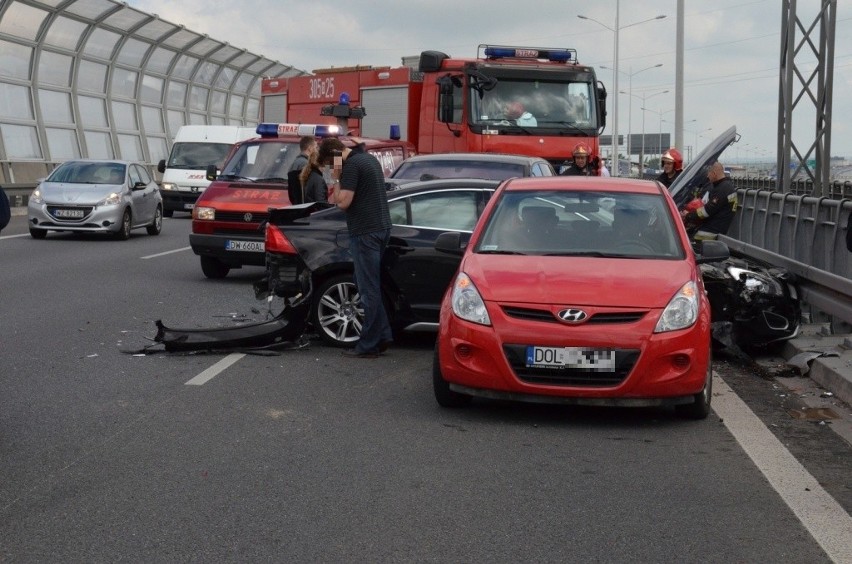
x=277 y=242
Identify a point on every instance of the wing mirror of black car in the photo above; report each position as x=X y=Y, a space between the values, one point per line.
x=711 y=251
x=211 y=173
x=450 y=243
x=161 y=166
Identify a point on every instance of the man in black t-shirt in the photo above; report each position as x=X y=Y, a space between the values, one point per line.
x=359 y=190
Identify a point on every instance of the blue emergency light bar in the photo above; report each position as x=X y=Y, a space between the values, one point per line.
x=300 y=129
x=505 y=52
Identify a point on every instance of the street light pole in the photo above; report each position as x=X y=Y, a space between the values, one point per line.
x=615 y=30
x=642 y=152
x=630 y=110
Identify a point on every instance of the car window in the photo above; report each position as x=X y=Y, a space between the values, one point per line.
x=144 y=175
x=134 y=175
x=452 y=211
x=594 y=223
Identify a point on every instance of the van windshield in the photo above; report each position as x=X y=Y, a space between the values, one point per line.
x=197 y=155
x=262 y=160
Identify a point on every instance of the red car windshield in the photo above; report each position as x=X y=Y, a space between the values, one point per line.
x=581 y=223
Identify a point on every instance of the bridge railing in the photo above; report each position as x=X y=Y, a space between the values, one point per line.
x=807 y=236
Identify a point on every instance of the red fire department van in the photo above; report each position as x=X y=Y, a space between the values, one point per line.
x=523 y=100
x=227 y=217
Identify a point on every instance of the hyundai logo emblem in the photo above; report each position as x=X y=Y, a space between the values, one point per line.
x=247 y=217
x=572 y=315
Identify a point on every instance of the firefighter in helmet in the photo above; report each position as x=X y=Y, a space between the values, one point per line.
x=672 y=163
x=583 y=164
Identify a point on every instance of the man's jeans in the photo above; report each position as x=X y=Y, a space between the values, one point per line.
x=367 y=251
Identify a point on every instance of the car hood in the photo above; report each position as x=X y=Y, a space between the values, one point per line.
x=694 y=176
x=579 y=281
x=76 y=194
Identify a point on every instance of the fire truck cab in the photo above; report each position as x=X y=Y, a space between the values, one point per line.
x=522 y=100
x=228 y=216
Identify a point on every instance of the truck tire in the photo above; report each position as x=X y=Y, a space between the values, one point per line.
x=214 y=268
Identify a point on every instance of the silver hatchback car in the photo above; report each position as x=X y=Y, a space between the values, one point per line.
x=96 y=196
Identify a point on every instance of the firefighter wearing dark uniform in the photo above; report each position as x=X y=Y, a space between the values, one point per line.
x=717 y=206
x=672 y=163
x=581 y=165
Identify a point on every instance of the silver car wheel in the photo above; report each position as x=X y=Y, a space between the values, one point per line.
x=338 y=315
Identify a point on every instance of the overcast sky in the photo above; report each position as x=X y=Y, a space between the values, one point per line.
x=731 y=51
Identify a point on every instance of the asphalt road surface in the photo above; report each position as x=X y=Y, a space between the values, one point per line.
x=306 y=456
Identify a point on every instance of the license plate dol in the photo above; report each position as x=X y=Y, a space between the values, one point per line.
x=69 y=213
x=596 y=360
x=188 y=206
x=252 y=246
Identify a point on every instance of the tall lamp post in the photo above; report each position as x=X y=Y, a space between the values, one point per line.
x=629 y=92
x=660 y=113
x=642 y=152
x=615 y=29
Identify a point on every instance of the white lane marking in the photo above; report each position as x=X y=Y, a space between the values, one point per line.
x=167 y=253
x=14 y=236
x=211 y=372
x=827 y=521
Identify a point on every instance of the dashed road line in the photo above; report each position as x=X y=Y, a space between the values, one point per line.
x=167 y=253
x=214 y=370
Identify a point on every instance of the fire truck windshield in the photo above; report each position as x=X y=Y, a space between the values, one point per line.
x=266 y=161
x=535 y=102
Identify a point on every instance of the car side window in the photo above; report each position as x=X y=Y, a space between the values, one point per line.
x=134 y=175
x=453 y=211
x=143 y=174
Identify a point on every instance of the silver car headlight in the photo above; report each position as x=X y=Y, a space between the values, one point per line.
x=756 y=282
x=168 y=186
x=112 y=200
x=466 y=301
x=681 y=311
x=36 y=197
x=204 y=213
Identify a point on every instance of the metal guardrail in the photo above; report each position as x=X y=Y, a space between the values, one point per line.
x=805 y=235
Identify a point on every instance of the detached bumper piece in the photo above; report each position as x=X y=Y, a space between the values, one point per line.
x=286 y=330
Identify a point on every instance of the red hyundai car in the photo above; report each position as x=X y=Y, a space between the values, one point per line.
x=577 y=290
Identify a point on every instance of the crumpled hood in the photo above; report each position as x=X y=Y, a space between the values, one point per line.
x=74 y=194
x=577 y=281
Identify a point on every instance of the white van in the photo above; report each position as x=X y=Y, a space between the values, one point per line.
x=195 y=147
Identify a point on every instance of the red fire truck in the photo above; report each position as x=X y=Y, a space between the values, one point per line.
x=522 y=100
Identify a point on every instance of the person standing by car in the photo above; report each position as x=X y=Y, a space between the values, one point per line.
x=313 y=183
x=672 y=163
x=714 y=211
x=359 y=190
x=295 y=188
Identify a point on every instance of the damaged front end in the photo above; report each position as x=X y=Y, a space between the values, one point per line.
x=753 y=305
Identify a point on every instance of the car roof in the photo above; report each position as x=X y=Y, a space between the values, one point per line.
x=444 y=184
x=486 y=157
x=102 y=161
x=584 y=183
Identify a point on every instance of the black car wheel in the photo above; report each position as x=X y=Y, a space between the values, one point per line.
x=38 y=233
x=123 y=234
x=443 y=394
x=156 y=225
x=214 y=268
x=168 y=213
x=700 y=407
x=336 y=313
